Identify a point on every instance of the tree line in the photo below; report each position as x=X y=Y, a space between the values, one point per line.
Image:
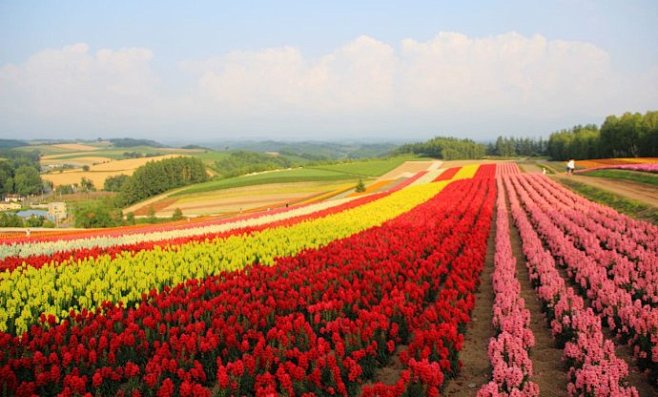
x=446 y=148
x=244 y=162
x=156 y=177
x=19 y=173
x=628 y=135
x=512 y=147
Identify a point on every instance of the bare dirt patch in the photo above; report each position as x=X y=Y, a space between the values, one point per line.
x=75 y=146
x=74 y=177
x=129 y=164
x=85 y=160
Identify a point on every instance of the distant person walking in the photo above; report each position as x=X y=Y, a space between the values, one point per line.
x=571 y=166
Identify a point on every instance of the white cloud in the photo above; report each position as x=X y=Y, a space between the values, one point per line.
x=77 y=88
x=364 y=86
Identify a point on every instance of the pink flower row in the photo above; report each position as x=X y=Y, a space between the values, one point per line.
x=641 y=233
x=508 y=351
x=635 y=266
x=617 y=305
x=648 y=167
x=594 y=368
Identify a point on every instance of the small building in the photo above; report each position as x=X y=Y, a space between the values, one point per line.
x=14 y=198
x=57 y=210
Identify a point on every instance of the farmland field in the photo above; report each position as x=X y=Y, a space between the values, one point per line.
x=100 y=171
x=469 y=279
x=234 y=200
x=267 y=177
x=366 y=168
x=272 y=189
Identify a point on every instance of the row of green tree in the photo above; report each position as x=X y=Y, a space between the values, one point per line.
x=628 y=135
x=19 y=172
x=10 y=219
x=446 y=148
x=245 y=162
x=512 y=147
x=156 y=177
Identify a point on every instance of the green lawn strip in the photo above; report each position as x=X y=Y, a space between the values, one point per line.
x=287 y=176
x=44 y=149
x=367 y=168
x=626 y=206
x=633 y=176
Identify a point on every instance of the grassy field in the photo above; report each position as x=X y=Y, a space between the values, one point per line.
x=366 y=168
x=629 y=207
x=284 y=176
x=633 y=176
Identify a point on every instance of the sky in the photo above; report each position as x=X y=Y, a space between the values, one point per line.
x=321 y=70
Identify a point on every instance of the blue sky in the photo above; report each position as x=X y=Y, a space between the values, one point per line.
x=321 y=70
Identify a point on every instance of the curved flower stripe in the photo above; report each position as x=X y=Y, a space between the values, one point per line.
x=318 y=323
x=86 y=284
x=30 y=248
x=185 y=236
x=508 y=351
x=647 y=167
x=594 y=368
x=36 y=252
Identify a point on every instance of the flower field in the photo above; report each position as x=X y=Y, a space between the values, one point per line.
x=615 y=162
x=316 y=300
x=644 y=167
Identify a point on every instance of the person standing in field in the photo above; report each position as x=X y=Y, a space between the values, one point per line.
x=571 y=166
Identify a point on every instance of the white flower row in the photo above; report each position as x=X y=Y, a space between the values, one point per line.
x=26 y=249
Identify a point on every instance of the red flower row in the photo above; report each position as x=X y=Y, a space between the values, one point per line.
x=319 y=323
x=447 y=174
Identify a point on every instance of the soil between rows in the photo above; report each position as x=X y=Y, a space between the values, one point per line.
x=549 y=373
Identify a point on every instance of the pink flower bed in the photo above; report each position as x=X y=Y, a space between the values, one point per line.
x=601 y=273
x=594 y=368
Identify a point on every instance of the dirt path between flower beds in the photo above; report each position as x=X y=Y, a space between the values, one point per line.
x=635 y=191
x=476 y=370
x=546 y=358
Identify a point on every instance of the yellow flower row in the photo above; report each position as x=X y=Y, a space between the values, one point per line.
x=466 y=172
x=57 y=289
